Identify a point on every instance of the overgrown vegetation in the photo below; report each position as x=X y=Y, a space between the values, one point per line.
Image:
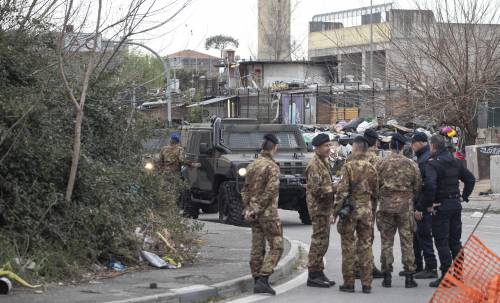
x=112 y=195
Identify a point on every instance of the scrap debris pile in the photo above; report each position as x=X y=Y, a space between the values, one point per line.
x=344 y=132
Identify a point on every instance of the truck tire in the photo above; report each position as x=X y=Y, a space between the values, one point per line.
x=190 y=209
x=304 y=215
x=210 y=208
x=230 y=205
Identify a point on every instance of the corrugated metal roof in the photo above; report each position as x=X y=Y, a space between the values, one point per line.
x=211 y=101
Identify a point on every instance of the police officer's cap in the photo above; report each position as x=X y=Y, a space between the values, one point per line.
x=320 y=140
x=272 y=138
x=397 y=137
x=419 y=137
x=361 y=139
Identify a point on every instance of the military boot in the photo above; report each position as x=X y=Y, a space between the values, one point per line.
x=346 y=288
x=410 y=282
x=387 y=282
x=426 y=274
x=315 y=279
x=262 y=286
x=367 y=289
x=436 y=282
x=377 y=274
x=325 y=278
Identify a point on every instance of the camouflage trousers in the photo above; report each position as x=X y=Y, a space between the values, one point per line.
x=320 y=240
x=358 y=245
x=358 y=225
x=388 y=224
x=270 y=232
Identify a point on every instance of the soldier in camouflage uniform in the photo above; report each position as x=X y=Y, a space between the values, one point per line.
x=320 y=198
x=260 y=198
x=371 y=157
x=399 y=182
x=172 y=157
x=359 y=184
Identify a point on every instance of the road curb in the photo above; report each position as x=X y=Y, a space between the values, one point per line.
x=481 y=209
x=230 y=288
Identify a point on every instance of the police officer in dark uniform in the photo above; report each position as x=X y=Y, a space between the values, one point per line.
x=422 y=244
x=442 y=198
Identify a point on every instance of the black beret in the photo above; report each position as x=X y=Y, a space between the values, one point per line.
x=371 y=134
x=397 y=137
x=272 y=138
x=320 y=139
x=361 y=139
x=419 y=137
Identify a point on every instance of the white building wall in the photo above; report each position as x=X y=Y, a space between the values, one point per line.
x=294 y=73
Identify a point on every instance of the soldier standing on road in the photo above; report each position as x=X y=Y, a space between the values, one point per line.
x=320 y=198
x=260 y=198
x=442 y=198
x=399 y=183
x=422 y=244
x=356 y=191
x=371 y=157
x=172 y=157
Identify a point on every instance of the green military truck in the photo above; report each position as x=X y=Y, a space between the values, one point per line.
x=225 y=148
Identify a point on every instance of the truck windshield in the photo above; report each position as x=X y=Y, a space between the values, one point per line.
x=253 y=141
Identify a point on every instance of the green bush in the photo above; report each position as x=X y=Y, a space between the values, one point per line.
x=113 y=195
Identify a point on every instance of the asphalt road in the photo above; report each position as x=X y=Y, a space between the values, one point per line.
x=488 y=232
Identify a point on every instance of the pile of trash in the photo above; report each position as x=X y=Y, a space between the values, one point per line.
x=344 y=133
x=159 y=241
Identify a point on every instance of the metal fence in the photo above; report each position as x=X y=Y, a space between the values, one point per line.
x=313 y=105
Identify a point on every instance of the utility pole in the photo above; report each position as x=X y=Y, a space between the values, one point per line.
x=166 y=71
x=370 y=74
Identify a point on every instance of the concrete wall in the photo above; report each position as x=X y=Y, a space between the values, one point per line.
x=478 y=159
x=294 y=72
x=495 y=174
x=274 y=30
x=349 y=36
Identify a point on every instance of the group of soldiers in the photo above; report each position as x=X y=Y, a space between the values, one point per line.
x=420 y=200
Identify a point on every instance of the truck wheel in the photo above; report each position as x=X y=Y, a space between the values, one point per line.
x=210 y=208
x=304 y=215
x=230 y=205
x=190 y=209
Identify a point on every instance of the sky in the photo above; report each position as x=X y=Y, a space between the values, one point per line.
x=238 y=18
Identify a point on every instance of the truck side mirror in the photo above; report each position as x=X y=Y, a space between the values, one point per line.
x=204 y=149
x=310 y=148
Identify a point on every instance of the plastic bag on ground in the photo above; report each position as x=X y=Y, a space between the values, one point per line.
x=155 y=261
x=366 y=125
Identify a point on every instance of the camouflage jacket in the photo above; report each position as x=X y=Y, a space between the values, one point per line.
x=261 y=190
x=369 y=156
x=319 y=186
x=359 y=181
x=172 y=158
x=399 y=182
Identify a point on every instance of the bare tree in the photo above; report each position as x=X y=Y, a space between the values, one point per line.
x=98 y=55
x=444 y=56
x=449 y=61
